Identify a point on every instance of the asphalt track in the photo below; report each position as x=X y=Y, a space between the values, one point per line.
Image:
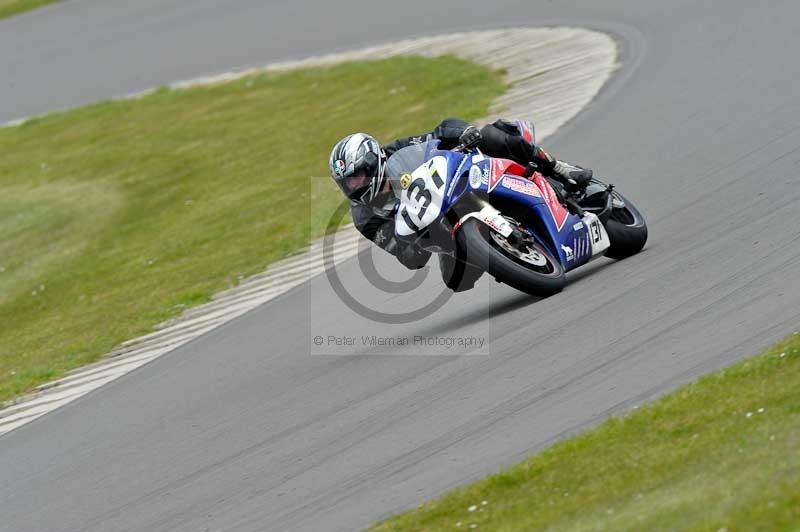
x=244 y=430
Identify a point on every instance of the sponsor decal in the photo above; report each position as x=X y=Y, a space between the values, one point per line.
x=568 y=252
x=495 y=174
x=578 y=226
x=338 y=167
x=522 y=186
x=497 y=225
x=475 y=177
x=461 y=166
x=495 y=220
x=405 y=181
x=452 y=187
x=459 y=172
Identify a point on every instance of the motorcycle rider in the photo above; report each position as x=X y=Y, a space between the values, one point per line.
x=358 y=163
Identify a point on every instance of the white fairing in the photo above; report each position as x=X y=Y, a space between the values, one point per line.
x=421 y=198
x=597 y=234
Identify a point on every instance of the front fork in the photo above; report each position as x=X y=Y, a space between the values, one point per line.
x=514 y=233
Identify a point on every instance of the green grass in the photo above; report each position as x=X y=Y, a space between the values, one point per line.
x=119 y=215
x=721 y=453
x=10 y=8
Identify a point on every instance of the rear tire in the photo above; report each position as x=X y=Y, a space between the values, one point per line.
x=484 y=248
x=627 y=230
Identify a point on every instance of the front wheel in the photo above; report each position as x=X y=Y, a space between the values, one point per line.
x=626 y=228
x=527 y=267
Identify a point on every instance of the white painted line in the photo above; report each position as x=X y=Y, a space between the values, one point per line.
x=112 y=363
x=172 y=340
x=553 y=73
x=120 y=368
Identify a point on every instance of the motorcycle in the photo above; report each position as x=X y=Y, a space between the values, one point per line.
x=497 y=216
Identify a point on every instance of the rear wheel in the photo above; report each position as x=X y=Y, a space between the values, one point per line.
x=528 y=267
x=626 y=228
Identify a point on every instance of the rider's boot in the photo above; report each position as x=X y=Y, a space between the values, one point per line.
x=573 y=177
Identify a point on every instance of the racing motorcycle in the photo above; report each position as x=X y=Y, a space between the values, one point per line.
x=493 y=214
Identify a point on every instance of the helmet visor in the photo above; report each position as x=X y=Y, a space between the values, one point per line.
x=357 y=180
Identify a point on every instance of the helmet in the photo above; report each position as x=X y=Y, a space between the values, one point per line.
x=357 y=165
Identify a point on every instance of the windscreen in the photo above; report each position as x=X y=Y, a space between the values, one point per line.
x=405 y=161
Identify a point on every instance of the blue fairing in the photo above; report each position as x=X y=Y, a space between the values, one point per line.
x=571 y=244
x=458 y=167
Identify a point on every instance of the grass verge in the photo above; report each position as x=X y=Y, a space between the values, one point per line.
x=9 y=8
x=718 y=454
x=119 y=215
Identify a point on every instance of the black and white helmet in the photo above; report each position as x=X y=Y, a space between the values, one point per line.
x=357 y=165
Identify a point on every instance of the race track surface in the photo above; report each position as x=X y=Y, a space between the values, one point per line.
x=244 y=430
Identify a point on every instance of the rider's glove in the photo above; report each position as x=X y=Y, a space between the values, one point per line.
x=574 y=177
x=470 y=138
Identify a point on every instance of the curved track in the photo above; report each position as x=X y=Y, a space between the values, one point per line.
x=243 y=430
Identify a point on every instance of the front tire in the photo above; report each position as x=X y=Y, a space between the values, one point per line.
x=626 y=228
x=531 y=270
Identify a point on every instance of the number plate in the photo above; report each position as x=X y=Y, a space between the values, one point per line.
x=421 y=200
x=597 y=234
